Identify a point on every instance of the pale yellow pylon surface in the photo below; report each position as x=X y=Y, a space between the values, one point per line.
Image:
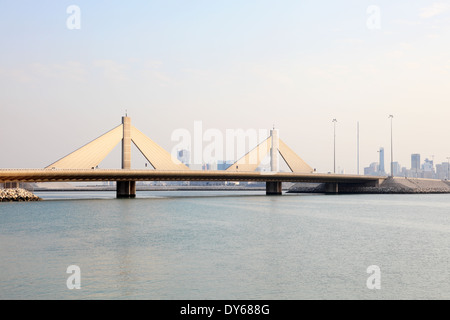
x=90 y=155
x=294 y=162
x=252 y=159
x=159 y=158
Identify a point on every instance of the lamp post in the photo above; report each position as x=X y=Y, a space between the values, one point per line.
x=357 y=148
x=392 y=149
x=334 y=122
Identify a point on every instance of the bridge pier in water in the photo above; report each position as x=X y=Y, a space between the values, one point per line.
x=10 y=185
x=274 y=188
x=332 y=188
x=126 y=189
x=82 y=165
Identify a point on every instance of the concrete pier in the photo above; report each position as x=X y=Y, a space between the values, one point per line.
x=274 y=164
x=126 y=189
x=126 y=143
x=11 y=185
x=332 y=188
x=274 y=188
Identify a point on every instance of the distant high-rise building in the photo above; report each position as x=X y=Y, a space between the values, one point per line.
x=397 y=169
x=224 y=165
x=415 y=162
x=442 y=171
x=428 y=169
x=381 y=163
x=428 y=165
x=184 y=156
x=372 y=170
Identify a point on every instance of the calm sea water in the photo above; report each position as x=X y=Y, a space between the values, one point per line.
x=224 y=245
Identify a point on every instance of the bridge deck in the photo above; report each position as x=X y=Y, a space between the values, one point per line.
x=55 y=175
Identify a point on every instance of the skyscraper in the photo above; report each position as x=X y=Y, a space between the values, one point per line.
x=184 y=156
x=381 y=164
x=224 y=165
x=415 y=162
x=397 y=168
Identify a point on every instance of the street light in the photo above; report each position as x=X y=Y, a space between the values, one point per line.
x=392 y=149
x=334 y=122
x=357 y=148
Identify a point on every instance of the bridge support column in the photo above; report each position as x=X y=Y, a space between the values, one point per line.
x=11 y=185
x=274 y=167
x=126 y=143
x=126 y=189
x=332 y=188
x=274 y=188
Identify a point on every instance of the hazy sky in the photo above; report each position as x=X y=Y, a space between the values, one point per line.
x=230 y=64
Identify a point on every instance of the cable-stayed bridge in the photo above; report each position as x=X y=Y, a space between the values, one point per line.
x=81 y=165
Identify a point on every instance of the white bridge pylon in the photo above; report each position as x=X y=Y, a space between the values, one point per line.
x=92 y=154
x=273 y=145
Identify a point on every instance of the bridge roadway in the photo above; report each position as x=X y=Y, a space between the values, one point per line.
x=123 y=176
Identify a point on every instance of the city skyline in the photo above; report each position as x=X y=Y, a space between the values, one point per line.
x=249 y=65
x=428 y=168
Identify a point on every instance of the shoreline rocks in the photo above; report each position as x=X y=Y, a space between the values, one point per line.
x=395 y=185
x=17 y=195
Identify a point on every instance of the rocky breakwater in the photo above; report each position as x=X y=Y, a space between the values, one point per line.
x=395 y=185
x=413 y=185
x=17 y=194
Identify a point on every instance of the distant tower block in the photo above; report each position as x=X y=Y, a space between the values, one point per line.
x=274 y=164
